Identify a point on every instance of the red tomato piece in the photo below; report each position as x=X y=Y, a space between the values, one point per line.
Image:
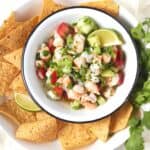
x=41 y=73
x=119 y=59
x=121 y=78
x=50 y=45
x=64 y=29
x=59 y=91
x=54 y=77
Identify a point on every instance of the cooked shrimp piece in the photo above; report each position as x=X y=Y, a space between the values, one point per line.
x=88 y=57
x=108 y=92
x=58 y=53
x=106 y=58
x=113 y=81
x=78 y=43
x=65 y=81
x=79 y=89
x=89 y=105
x=80 y=61
x=89 y=98
x=92 y=87
x=58 y=41
x=73 y=95
x=95 y=69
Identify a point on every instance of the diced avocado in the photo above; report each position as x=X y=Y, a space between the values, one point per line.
x=94 y=40
x=86 y=25
x=107 y=73
x=76 y=105
x=101 y=100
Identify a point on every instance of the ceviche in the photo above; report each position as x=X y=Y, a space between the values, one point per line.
x=81 y=63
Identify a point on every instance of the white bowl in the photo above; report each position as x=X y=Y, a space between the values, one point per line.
x=60 y=109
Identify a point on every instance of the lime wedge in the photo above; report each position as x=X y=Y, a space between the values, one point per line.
x=107 y=37
x=26 y=102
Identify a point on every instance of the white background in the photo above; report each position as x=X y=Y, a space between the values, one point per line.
x=140 y=9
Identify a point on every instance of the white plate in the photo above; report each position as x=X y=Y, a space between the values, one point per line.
x=28 y=9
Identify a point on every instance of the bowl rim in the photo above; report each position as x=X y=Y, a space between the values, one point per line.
x=98 y=10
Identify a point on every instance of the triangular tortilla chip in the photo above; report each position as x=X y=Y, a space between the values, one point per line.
x=48 y=7
x=7 y=73
x=11 y=110
x=17 y=84
x=4 y=50
x=120 y=118
x=108 y=6
x=17 y=37
x=9 y=25
x=101 y=128
x=38 y=131
x=74 y=136
x=14 y=58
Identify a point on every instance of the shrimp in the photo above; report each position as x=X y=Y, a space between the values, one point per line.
x=106 y=58
x=89 y=105
x=108 y=92
x=78 y=43
x=73 y=95
x=79 y=89
x=92 y=87
x=89 y=98
x=80 y=61
x=113 y=81
x=65 y=81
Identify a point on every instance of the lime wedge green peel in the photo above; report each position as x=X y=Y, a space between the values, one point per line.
x=26 y=102
x=107 y=37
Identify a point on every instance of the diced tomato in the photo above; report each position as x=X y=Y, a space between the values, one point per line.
x=64 y=29
x=50 y=45
x=41 y=73
x=54 y=77
x=119 y=59
x=121 y=78
x=59 y=91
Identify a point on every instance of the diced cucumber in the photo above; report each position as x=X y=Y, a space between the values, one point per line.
x=76 y=105
x=101 y=100
x=107 y=73
x=86 y=25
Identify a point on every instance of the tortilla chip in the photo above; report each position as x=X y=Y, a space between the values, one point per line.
x=108 y=6
x=74 y=136
x=17 y=37
x=14 y=58
x=101 y=128
x=49 y=7
x=4 y=50
x=43 y=116
x=17 y=84
x=39 y=131
x=11 y=110
x=9 y=25
x=120 y=118
x=7 y=74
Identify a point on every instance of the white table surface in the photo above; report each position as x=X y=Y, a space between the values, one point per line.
x=139 y=8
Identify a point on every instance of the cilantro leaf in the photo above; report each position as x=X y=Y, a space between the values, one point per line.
x=135 y=141
x=146 y=119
